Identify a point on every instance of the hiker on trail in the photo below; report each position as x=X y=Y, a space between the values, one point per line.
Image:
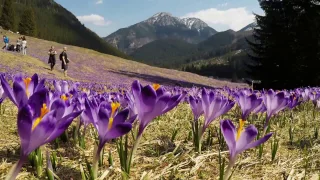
x=6 y=42
x=52 y=57
x=24 y=45
x=65 y=61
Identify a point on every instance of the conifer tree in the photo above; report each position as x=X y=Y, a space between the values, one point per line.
x=286 y=44
x=7 y=20
x=27 y=25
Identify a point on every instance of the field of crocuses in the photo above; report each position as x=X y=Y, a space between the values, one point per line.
x=90 y=66
x=54 y=129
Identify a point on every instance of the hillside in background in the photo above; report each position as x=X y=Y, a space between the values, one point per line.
x=173 y=53
x=165 y=53
x=94 y=67
x=160 y=26
x=231 y=66
x=55 y=23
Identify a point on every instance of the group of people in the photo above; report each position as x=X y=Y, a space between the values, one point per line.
x=63 y=58
x=21 y=45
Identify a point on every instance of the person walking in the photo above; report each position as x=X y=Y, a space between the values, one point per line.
x=52 y=57
x=24 y=45
x=65 y=61
x=6 y=42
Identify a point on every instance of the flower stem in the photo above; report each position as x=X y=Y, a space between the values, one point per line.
x=135 y=147
x=228 y=172
x=16 y=168
x=95 y=163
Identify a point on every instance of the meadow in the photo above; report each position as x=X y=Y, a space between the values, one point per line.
x=93 y=67
x=163 y=122
x=100 y=123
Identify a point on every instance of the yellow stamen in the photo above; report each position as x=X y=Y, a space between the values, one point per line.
x=314 y=93
x=114 y=107
x=27 y=83
x=156 y=86
x=240 y=129
x=44 y=111
x=64 y=97
x=110 y=123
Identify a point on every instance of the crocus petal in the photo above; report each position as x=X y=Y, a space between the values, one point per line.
x=258 y=142
x=118 y=130
x=7 y=89
x=148 y=98
x=64 y=87
x=228 y=130
x=33 y=84
x=246 y=138
x=62 y=125
x=120 y=117
x=103 y=121
x=132 y=119
x=59 y=107
x=41 y=132
x=57 y=86
x=20 y=94
x=24 y=123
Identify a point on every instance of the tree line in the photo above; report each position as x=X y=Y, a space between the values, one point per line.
x=286 y=45
x=27 y=24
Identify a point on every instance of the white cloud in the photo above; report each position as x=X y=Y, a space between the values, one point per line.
x=94 y=19
x=223 y=4
x=99 y=2
x=234 y=18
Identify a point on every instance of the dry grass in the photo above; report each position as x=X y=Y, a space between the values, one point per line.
x=160 y=158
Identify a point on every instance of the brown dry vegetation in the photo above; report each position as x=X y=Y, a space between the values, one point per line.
x=160 y=158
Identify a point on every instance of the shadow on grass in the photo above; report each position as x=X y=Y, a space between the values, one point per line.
x=67 y=149
x=164 y=146
x=301 y=144
x=10 y=154
x=47 y=68
x=159 y=79
x=68 y=173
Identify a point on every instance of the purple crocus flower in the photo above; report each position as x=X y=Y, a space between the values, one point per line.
x=293 y=102
x=109 y=124
x=314 y=96
x=196 y=107
x=152 y=101
x=61 y=87
x=107 y=121
x=214 y=105
x=239 y=141
x=131 y=104
x=22 y=89
x=274 y=102
x=39 y=122
x=247 y=103
x=260 y=109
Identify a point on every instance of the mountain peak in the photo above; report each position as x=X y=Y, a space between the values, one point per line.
x=161 y=14
x=163 y=19
x=194 y=23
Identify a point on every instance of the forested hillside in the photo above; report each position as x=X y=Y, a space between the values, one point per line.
x=55 y=23
x=167 y=53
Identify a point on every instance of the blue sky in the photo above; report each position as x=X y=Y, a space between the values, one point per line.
x=107 y=16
